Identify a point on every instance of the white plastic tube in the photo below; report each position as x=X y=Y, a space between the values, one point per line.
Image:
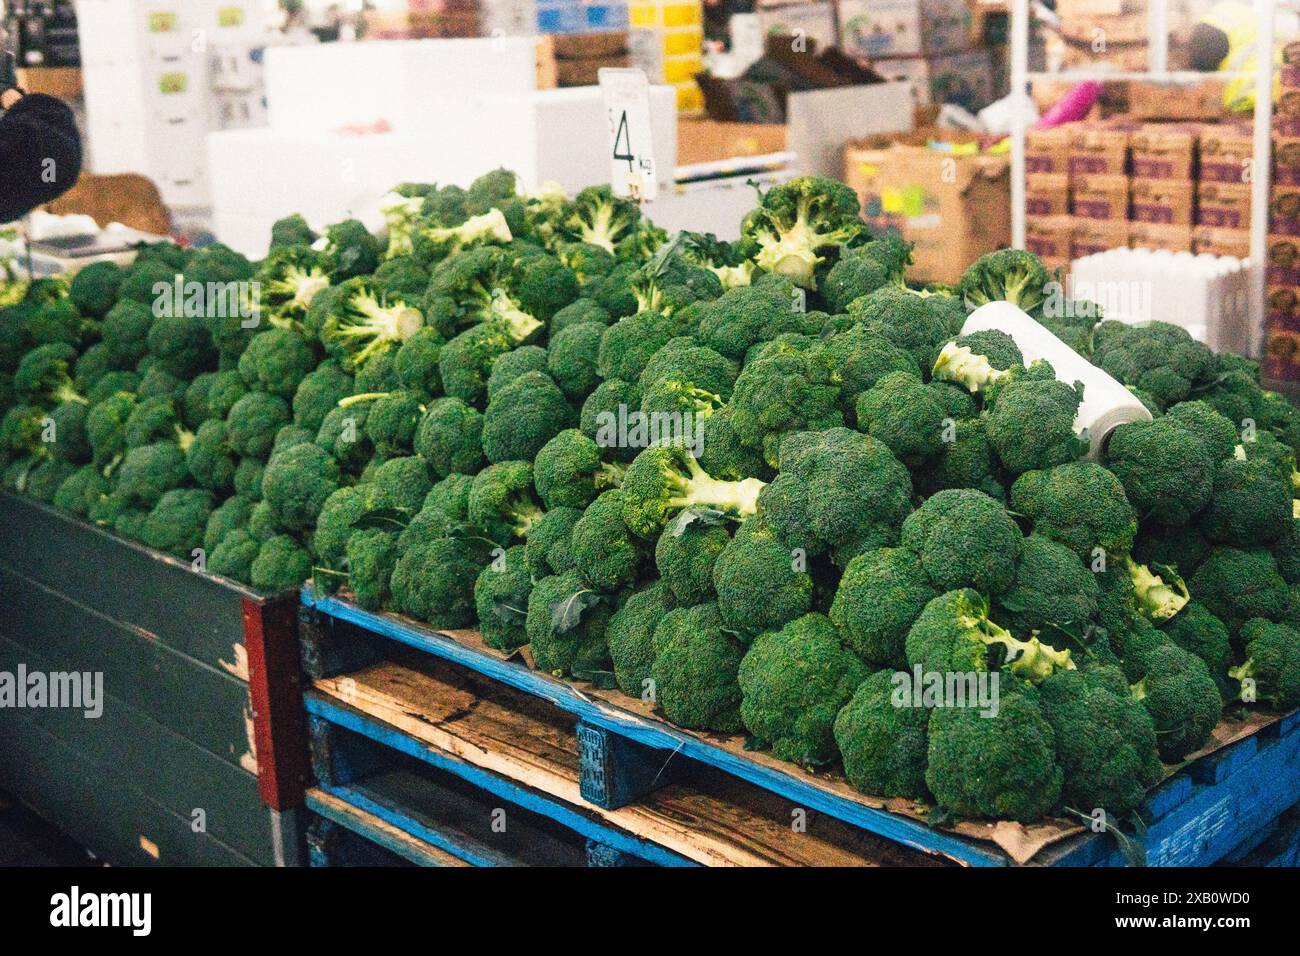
x=1106 y=403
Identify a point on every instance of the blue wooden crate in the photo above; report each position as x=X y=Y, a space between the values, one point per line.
x=1198 y=816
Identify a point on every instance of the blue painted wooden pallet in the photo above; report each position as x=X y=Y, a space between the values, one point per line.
x=1205 y=812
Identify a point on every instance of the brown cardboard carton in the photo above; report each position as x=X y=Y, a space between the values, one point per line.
x=1286 y=160
x=1047 y=194
x=1284 y=210
x=954 y=208
x=1098 y=150
x=1283 y=307
x=1146 y=235
x=1051 y=239
x=708 y=141
x=1163 y=151
x=1176 y=101
x=1217 y=241
x=1098 y=235
x=1226 y=205
x=1163 y=201
x=1225 y=153
x=1282 y=355
x=1118 y=29
x=1283 y=260
x=1048 y=150
x=1100 y=197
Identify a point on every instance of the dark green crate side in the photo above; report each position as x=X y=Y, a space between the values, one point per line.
x=142 y=755
x=196 y=614
x=118 y=825
x=202 y=704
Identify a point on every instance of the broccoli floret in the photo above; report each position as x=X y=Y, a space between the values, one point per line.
x=94 y=289
x=490 y=285
x=45 y=479
x=523 y=417
x=1053 y=589
x=954 y=633
x=627 y=346
x=604 y=550
x=854 y=276
x=787 y=389
x=883 y=745
x=664 y=480
x=234 y=555
x=176 y=524
x=277 y=361
x=290 y=279
x=1217 y=433
x=209 y=458
x=296 y=484
x=571 y=358
x=964 y=539
x=391 y=419
x=432 y=242
x=1266 y=449
x=318 y=394
x=580 y=312
x=916 y=323
x=862 y=358
x=588 y=262
x=350 y=250
x=433 y=580
x=448 y=437
x=570 y=472
x=502 y=503
x=1031 y=424
x=1105 y=740
x=156 y=382
x=1250 y=504
x=334 y=525
x=231 y=514
x=371 y=557
x=417 y=362
x=837 y=489
x=1080 y=504
x=149 y=472
x=1237 y=585
x=1161 y=359
x=513 y=365
x=630 y=635
x=399 y=484
x=466 y=361
x=80 y=490
x=695 y=670
x=611 y=403
x=793 y=683
x=59 y=321
x=566 y=626
x=253 y=422
x=1009 y=275
x=741 y=318
x=800 y=228
x=724 y=455
x=760 y=584
x=281 y=563
x=363 y=323
x=44 y=375
x=1181 y=697
x=194 y=403
x=1167 y=473
x=1199 y=632
x=182 y=345
x=227 y=388
x=685 y=558
x=501 y=599
x=906 y=415
x=598 y=218
x=106 y=428
x=1001 y=768
x=880 y=596
x=289 y=436
x=1271 y=673
x=69 y=440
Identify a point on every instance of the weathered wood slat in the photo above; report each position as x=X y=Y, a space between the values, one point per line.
x=378 y=830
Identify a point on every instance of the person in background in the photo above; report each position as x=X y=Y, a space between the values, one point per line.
x=40 y=148
x=1224 y=40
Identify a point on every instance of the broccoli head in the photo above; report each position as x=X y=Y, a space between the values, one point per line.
x=1080 y=504
x=789 y=388
x=1201 y=419
x=1161 y=359
x=880 y=596
x=209 y=458
x=502 y=503
x=917 y=323
x=742 y=318
x=150 y=471
x=371 y=557
x=465 y=362
x=1271 y=672
x=566 y=626
x=1167 y=473
x=1180 y=695
x=277 y=361
x=1007 y=275
x=964 y=539
x=907 y=415
x=685 y=556
x=548 y=548
x=433 y=580
x=501 y=599
x=524 y=416
x=695 y=670
x=666 y=479
x=510 y=366
x=253 y=423
x=863 y=357
x=281 y=563
x=1249 y=506
x=296 y=484
x=448 y=437
x=604 y=549
x=793 y=683
x=1199 y=632
x=1031 y=424
x=883 y=745
x=1053 y=589
x=362 y=323
x=800 y=228
x=1237 y=585
x=571 y=358
x=630 y=635
x=93 y=290
x=570 y=472
x=761 y=585
x=178 y=521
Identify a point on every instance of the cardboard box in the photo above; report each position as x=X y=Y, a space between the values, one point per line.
x=1282 y=307
x=1225 y=153
x=1284 y=211
x=1163 y=151
x=954 y=208
x=1166 y=202
x=965 y=79
x=873 y=29
x=1117 y=29
x=1202 y=100
x=1225 y=205
x=1221 y=242
x=1098 y=235
x=1048 y=150
x=1286 y=160
x=1145 y=235
x=1282 y=355
x=711 y=141
x=1124 y=57
x=1100 y=197
x=1051 y=238
x=1283 y=261
x=1078 y=9
x=807 y=21
x=819 y=123
x=1047 y=194
x=1098 y=150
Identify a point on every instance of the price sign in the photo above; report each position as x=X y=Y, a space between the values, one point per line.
x=632 y=163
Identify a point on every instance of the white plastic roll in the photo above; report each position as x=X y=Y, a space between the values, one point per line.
x=1106 y=403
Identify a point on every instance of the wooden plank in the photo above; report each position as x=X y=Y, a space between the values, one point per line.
x=330 y=844
x=378 y=830
x=825 y=793
x=118 y=825
x=203 y=704
x=142 y=756
x=519 y=737
x=199 y=615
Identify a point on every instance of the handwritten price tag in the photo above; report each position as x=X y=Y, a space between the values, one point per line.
x=627 y=104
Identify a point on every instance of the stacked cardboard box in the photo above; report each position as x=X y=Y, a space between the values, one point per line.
x=1109 y=32
x=1174 y=186
x=1282 y=323
x=579 y=57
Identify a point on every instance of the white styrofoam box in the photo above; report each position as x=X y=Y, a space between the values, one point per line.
x=246 y=233
x=227 y=21
x=416 y=85
x=820 y=122
x=715 y=206
x=812 y=21
x=545 y=135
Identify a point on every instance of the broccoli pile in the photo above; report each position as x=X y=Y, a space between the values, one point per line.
x=763 y=486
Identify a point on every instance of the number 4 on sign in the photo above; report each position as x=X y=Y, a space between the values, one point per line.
x=627 y=104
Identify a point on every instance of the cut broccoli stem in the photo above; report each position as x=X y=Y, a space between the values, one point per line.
x=1240 y=674
x=521 y=324
x=959 y=364
x=792 y=252
x=67 y=393
x=184 y=438
x=363 y=397
x=739 y=498
x=1157 y=600
x=1031 y=660
x=600 y=231
x=525 y=518
x=609 y=476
